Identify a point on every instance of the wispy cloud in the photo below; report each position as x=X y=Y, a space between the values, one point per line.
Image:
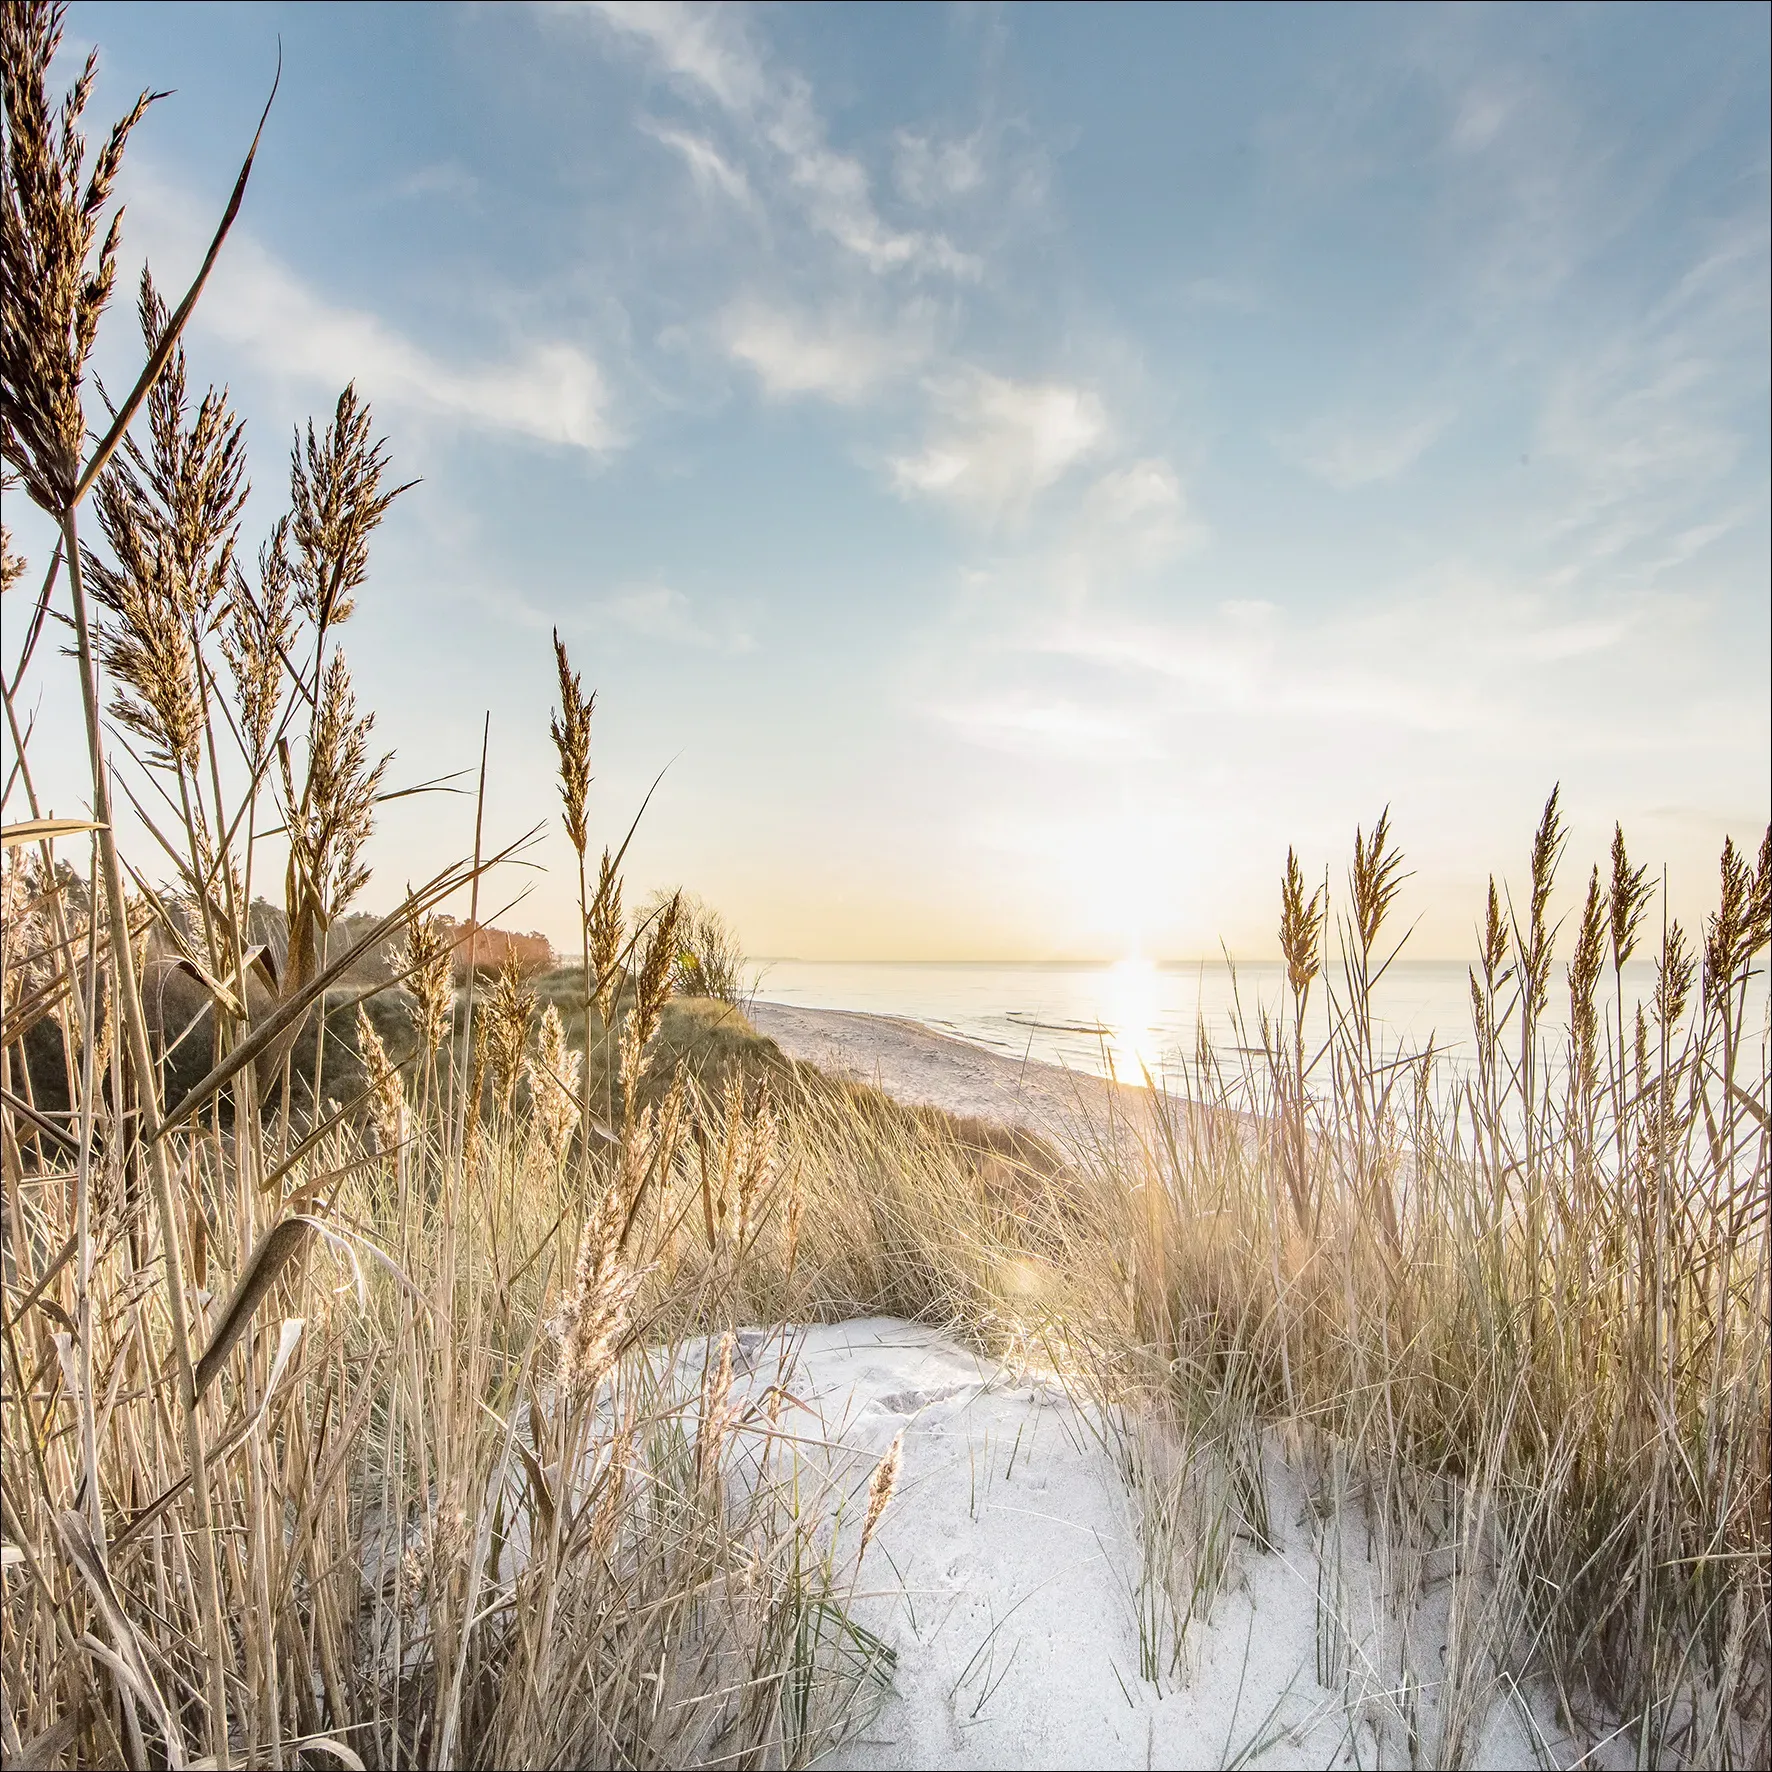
x=994 y=443
x=1653 y=415
x=838 y=353
x=661 y=612
x=711 y=55
x=860 y=291
x=930 y=171
x=1060 y=728
x=1348 y=451
x=1136 y=515
x=710 y=169
x=1488 y=662
x=705 y=48
x=547 y=390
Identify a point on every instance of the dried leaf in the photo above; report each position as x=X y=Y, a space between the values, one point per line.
x=38 y=830
x=276 y=1249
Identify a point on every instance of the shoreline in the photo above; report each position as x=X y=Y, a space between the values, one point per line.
x=919 y=1067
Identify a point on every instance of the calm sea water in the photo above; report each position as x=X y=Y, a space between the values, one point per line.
x=1113 y=1020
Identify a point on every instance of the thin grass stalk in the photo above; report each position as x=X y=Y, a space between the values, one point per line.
x=462 y=1105
x=83 y=1319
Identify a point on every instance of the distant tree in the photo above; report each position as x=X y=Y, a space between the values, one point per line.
x=709 y=961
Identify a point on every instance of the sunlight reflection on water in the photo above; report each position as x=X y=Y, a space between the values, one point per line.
x=1137 y=1014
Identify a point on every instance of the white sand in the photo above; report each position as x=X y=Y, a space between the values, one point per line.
x=1006 y=1575
x=1011 y=1571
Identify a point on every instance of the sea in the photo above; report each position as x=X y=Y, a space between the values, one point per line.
x=1138 y=1017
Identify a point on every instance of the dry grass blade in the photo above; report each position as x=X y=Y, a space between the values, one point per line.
x=38 y=1121
x=281 y=1245
x=287 y=1337
x=303 y=1744
x=288 y=1334
x=35 y=830
x=86 y=1557
x=46 y=1748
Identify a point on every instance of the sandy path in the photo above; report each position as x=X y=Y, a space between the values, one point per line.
x=922 y=1068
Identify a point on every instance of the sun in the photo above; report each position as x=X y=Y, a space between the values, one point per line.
x=1130 y=1014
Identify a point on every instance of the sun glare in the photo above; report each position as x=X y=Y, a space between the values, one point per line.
x=1129 y=1012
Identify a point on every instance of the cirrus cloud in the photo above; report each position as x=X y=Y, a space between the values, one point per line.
x=994 y=442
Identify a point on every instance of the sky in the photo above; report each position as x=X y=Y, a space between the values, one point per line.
x=1015 y=470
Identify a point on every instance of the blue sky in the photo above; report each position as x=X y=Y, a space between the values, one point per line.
x=1020 y=468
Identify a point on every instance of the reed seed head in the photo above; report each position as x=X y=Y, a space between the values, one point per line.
x=190 y=482
x=1376 y=879
x=1301 y=928
x=1630 y=897
x=430 y=958
x=12 y=566
x=881 y=1486
x=59 y=273
x=170 y=517
x=631 y=1061
x=1742 y=923
x=510 y=1008
x=144 y=641
x=387 y=1093
x=553 y=1075
x=1535 y=947
x=1496 y=971
x=595 y=1315
x=332 y=819
x=657 y=963
x=605 y=926
x=716 y=1409
x=571 y=728
x=256 y=638
x=1673 y=979
x=756 y=1137
x=1584 y=976
x=336 y=498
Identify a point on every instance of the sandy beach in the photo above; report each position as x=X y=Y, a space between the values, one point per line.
x=923 y=1068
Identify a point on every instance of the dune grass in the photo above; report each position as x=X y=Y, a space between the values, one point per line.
x=341 y=1423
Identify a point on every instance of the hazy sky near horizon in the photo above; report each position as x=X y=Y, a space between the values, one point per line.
x=1019 y=467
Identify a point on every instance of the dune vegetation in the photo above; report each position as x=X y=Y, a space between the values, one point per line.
x=342 y=1421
